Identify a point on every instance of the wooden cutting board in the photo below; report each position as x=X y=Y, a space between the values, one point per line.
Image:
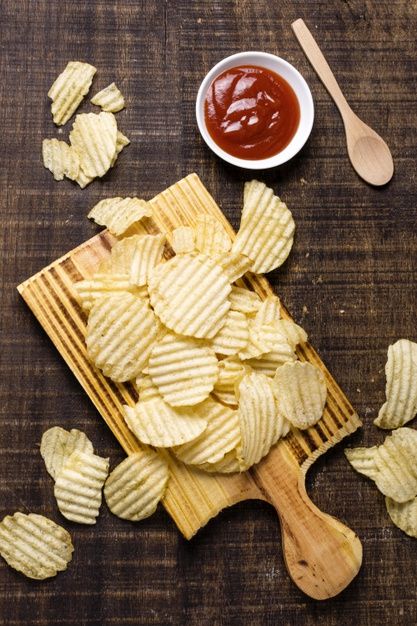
x=321 y=554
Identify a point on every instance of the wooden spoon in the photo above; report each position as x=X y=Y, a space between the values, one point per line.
x=368 y=152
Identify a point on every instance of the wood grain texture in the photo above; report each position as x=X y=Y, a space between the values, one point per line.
x=350 y=281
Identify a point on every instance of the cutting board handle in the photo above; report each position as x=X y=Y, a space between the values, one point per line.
x=322 y=555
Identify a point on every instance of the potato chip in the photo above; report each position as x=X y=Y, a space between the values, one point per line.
x=183 y=240
x=121 y=332
x=69 y=89
x=301 y=391
x=279 y=349
x=258 y=343
x=57 y=444
x=226 y=396
x=134 y=488
x=266 y=230
x=233 y=335
x=210 y=236
x=234 y=264
x=78 y=486
x=34 y=545
x=102 y=285
x=227 y=465
x=190 y=295
x=244 y=300
x=147 y=254
x=401 y=388
x=260 y=424
x=93 y=137
x=146 y=388
x=221 y=435
x=231 y=370
x=121 y=142
x=109 y=99
x=392 y=465
x=60 y=159
x=82 y=179
x=118 y=214
x=403 y=515
x=293 y=332
x=158 y=424
x=183 y=369
x=269 y=311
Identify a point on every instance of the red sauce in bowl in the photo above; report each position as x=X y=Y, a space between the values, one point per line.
x=251 y=112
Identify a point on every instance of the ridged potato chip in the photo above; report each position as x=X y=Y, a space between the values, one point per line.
x=134 y=488
x=244 y=300
x=258 y=343
x=226 y=396
x=190 y=295
x=147 y=254
x=158 y=424
x=93 y=137
x=301 y=391
x=234 y=264
x=293 y=332
x=229 y=464
x=392 y=465
x=210 y=236
x=260 y=424
x=60 y=159
x=221 y=435
x=147 y=390
x=183 y=240
x=401 y=388
x=231 y=371
x=183 y=369
x=82 y=179
x=109 y=99
x=78 y=486
x=69 y=89
x=403 y=515
x=118 y=214
x=57 y=444
x=266 y=230
x=279 y=349
x=269 y=311
x=34 y=545
x=121 y=332
x=233 y=335
x=102 y=285
x=121 y=142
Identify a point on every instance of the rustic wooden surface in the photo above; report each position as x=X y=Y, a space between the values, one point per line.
x=350 y=281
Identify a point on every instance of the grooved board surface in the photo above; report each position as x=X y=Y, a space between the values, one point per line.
x=350 y=281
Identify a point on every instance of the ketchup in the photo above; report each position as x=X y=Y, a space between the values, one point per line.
x=251 y=112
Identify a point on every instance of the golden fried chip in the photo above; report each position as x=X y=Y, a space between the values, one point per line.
x=93 y=137
x=266 y=230
x=293 y=332
x=69 y=89
x=221 y=435
x=244 y=300
x=147 y=254
x=258 y=342
x=269 y=311
x=234 y=264
x=60 y=159
x=183 y=240
x=34 y=545
x=121 y=142
x=227 y=465
x=146 y=388
x=190 y=295
x=102 y=285
x=78 y=486
x=226 y=396
x=158 y=424
x=233 y=335
x=401 y=388
x=301 y=391
x=210 y=236
x=183 y=369
x=118 y=214
x=260 y=424
x=279 y=349
x=57 y=444
x=392 y=465
x=121 y=332
x=110 y=99
x=134 y=488
x=403 y=515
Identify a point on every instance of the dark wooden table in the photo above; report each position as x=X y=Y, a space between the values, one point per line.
x=350 y=281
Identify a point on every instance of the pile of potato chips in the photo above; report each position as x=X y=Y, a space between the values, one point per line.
x=393 y=465
x=215 y=367
x=95 y=141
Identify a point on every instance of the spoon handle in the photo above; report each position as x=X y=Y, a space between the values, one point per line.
x=317 y=60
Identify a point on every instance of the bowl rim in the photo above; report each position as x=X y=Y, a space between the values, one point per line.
x=306 y=109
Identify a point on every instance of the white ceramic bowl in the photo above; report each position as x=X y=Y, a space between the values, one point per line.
x=292 y=76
